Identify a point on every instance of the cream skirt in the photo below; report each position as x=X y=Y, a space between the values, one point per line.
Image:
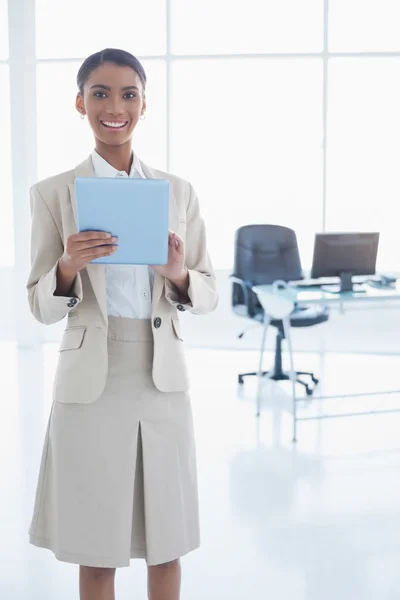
x=118 y=477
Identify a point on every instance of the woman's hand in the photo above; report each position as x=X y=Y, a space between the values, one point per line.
x=175 y=270
x=81 y=248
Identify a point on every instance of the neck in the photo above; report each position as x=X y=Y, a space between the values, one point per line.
x=120 y=157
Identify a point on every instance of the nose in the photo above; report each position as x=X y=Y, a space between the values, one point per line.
x=115 y=107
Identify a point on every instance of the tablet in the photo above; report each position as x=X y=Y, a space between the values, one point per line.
x=136 y=211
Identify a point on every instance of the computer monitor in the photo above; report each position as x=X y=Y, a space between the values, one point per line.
x=344 y=255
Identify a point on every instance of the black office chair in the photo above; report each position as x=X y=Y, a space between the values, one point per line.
x=264 y=254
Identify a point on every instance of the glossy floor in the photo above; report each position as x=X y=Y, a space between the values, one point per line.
x=315 y=521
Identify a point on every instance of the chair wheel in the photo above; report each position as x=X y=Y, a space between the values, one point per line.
x=309 y=391
x=314 y=379
x=240 y=380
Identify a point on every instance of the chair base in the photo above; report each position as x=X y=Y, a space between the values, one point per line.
x=282 y=376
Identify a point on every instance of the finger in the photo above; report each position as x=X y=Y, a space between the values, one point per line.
x=171 y=241
x=176 y=251
x=79 y=246
x=179 y=244
x=178 y=237
x=89 y=235
x=93 y=240
x=97 y=252
x=172 y=236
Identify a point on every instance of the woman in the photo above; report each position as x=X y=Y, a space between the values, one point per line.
x=118 y=472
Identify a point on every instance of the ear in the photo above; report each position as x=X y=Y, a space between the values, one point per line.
x=79 y=104
x=144 y=103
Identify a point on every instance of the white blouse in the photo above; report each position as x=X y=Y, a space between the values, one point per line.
x=129 y=287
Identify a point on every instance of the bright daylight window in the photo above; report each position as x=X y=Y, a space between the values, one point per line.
x=235 y=105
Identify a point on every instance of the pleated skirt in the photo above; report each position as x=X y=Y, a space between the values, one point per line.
x=118 y=477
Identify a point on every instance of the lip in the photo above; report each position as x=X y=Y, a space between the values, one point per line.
x=111 y=127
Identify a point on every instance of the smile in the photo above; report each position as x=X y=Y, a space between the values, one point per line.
x=114 y=124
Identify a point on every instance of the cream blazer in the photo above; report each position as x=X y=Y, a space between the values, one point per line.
x=82 y=365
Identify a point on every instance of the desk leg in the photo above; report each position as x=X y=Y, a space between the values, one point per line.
x=260 y=364
x=286 y=328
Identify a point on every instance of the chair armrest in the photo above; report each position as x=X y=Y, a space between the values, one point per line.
x=242 y=283
x=248 y=294
x=278 y=300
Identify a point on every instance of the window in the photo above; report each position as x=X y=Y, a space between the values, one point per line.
x=254 y=26
x=364 y=151
x=76 y=29
x=364 y=26
x=247 y=131
x=247 y=134
x=6 y=204
x=3 y=30
x=64 y=139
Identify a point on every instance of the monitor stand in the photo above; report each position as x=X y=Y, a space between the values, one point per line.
x=346 y=285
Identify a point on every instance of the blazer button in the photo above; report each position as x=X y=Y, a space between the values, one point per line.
x=157 y=322
x=180 y=307
x=73 y=301
x=70 y=305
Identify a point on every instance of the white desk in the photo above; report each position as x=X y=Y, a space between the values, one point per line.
x=314 y=295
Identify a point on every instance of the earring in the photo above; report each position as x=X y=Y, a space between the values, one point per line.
x=143 y=116
x=83 y=116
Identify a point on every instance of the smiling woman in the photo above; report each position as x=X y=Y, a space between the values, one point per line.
x=77 y=136
x=112 y=93
x=120 y=429
x=107 y=92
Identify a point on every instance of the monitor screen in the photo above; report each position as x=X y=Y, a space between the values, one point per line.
x=340 y=253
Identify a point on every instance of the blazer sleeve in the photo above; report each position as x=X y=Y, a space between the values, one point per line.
x=202 y=292
x=46 y=250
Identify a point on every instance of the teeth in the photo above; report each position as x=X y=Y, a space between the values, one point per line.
x=116 y=125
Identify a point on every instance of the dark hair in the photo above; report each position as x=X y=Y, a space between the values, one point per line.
x=113 y=55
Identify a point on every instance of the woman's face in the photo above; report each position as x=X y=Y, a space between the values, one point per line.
x=113 y=100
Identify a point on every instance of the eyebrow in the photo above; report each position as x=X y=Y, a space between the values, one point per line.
x=108 y=89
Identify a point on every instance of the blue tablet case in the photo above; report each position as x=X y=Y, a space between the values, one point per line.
x=134 y=210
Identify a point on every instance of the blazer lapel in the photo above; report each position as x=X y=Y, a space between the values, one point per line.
x=173 y=225
x=96 y=272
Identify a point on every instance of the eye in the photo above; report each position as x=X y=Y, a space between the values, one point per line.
x=99 y=94
x=130 y=95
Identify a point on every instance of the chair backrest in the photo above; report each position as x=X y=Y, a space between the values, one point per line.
x=263 y=254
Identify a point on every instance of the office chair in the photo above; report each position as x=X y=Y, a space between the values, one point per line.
x=264 y=254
